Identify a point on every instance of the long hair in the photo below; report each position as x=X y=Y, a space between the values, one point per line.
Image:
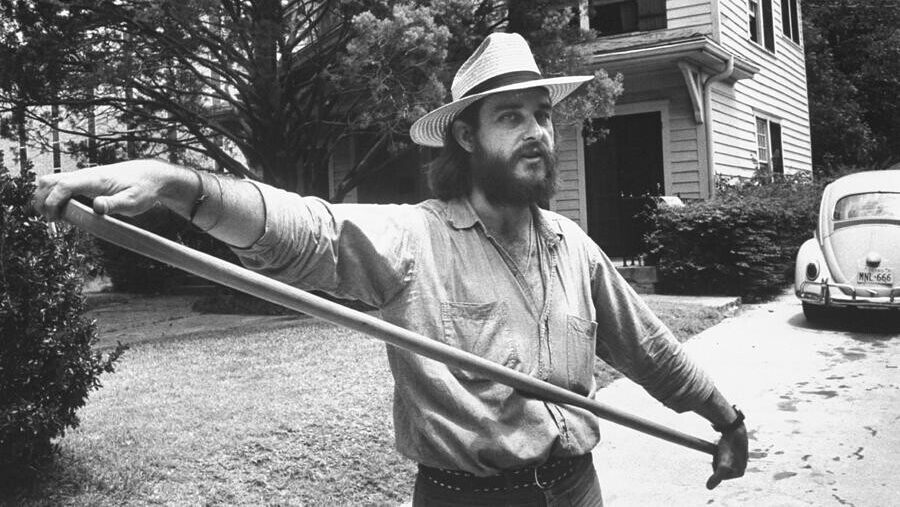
x=450 y=174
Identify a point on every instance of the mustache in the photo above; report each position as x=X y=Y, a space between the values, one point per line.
x=533 y=148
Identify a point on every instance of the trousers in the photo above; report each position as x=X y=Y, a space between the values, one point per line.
x=580 y=489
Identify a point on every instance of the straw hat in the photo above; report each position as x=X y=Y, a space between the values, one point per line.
x=503 y=62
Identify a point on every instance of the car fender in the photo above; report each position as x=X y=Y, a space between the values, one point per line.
x=810 y=251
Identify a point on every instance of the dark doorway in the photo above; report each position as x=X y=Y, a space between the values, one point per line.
x=623 y=172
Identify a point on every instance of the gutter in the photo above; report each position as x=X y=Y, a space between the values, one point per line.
x=666 y=52
x=707 y=112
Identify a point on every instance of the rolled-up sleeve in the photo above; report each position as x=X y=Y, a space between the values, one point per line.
x=352 y=251
x=634 y=341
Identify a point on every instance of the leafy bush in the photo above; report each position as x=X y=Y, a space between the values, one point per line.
x=132 y=272
x=741 y=243
x=47 y=366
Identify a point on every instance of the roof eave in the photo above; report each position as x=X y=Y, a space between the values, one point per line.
x=701 y=51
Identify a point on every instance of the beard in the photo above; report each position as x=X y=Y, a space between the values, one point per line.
x=495 y=175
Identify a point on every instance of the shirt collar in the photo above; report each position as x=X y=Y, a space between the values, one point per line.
x=461 y=215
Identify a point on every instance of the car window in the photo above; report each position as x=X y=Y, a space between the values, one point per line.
x=872 y=205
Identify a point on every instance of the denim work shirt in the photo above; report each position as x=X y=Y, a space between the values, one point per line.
x=434 y=269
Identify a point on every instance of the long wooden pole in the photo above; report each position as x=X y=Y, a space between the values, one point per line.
x=225 y=273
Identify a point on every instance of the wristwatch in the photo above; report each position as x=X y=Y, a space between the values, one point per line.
x=733 y=425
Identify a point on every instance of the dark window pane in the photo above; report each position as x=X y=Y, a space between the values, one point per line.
x=795 y=22
x=775 y=142
x=753 y=24
x=651 y=14
x=786 y=17
x=613 y=18
x=768 y=29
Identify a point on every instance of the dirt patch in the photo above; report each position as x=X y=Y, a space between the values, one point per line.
x=134 y=318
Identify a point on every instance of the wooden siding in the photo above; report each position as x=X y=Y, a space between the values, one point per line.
x=778 y=92
x=695 y=14
x=570 y=199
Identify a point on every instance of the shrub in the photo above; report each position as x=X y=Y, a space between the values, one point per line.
x=47 y=366
x=132 y=272
x=741 y=243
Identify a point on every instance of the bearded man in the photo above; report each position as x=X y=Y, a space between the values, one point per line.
x=482 y=267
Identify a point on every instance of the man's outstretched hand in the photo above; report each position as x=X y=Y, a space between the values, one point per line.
x=730 y=460
x=127 y=188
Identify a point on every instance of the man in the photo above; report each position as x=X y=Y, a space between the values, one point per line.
x=481 y=268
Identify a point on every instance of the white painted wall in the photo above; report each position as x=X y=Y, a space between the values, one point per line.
x=777 y=92
x=695 y=14
x=570 y=201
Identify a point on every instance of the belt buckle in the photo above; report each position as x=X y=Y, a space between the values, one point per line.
x=537 y=480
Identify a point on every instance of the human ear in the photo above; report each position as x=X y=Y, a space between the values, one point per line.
x=462 y=132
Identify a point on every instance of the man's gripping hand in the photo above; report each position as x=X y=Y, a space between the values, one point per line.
x=730 y=460
x=127 y=188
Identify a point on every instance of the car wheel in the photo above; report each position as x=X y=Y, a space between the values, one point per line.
x=815 y=313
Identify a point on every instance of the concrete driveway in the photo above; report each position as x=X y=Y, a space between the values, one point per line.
x=822 y=409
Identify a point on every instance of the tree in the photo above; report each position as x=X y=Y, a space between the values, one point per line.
x=283 y=82
x=853 y=72
x=390 y=69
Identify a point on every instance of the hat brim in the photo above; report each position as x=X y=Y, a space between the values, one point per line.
x=429 y=129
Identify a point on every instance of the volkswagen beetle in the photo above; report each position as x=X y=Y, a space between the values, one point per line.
x=853 y=260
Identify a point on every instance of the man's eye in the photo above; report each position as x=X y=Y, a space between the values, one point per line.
x=509 y=117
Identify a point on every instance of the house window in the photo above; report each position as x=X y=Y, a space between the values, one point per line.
x=768 y=146
x=759 y=21
x=610 y=17
x=790 y=22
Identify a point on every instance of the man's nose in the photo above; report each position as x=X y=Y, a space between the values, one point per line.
x=533 y=129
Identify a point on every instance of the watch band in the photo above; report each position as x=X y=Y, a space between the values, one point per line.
x=733 y=425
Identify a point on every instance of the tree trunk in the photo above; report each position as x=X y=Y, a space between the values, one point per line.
x=21 y=137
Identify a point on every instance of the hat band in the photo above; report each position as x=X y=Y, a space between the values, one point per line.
x=503 y=80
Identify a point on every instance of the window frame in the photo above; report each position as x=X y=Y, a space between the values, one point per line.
x=790 y=21
x=772 y=128
x=760 y=29
x=754 y=18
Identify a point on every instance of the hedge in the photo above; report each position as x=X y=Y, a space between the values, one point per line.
x=741 y=243
x=47 y=366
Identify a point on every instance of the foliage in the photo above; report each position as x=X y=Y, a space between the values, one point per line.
x=132 y=272
x=282 y=82
x=853 y=72
x=47 y=367
x=741 y=243
x=136 y=273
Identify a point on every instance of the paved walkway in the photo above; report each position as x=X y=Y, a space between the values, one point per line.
x=821 y=409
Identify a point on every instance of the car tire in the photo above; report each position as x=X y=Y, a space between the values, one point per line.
x=815 y=313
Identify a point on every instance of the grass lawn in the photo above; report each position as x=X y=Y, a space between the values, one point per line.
x=291 y=416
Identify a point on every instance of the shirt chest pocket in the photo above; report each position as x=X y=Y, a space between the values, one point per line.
x=482 y=329
x=580 y=345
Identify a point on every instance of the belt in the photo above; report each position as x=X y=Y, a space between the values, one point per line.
x=539 y=477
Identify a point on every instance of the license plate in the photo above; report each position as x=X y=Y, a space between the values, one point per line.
x=877 y=276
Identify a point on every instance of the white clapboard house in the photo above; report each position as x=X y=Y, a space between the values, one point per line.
x=713 y=88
